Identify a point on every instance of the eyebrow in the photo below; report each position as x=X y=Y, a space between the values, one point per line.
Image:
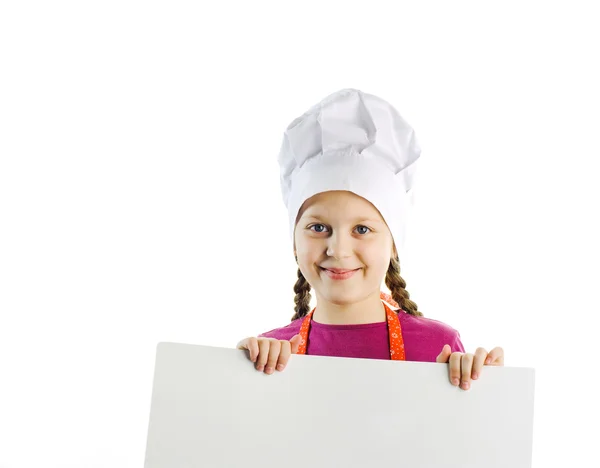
x=355 y=221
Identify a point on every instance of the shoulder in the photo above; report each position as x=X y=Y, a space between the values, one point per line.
x=430 y=329
x=424 y=323
x=284 y=333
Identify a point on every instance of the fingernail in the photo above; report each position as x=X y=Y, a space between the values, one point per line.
x=454 y=381
x=465 y=385
x=269 y=370
x=260 y=368
x=280 y=367
x=475 y=376
x=488 y=360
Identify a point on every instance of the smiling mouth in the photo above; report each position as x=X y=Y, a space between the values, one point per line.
x=338 y=273
x=339 y=270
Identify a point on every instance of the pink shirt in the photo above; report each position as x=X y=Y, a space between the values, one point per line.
x=423 y=337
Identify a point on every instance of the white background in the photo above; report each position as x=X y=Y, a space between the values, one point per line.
x=139 y=195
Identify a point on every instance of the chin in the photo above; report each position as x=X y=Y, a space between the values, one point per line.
x=343 y=299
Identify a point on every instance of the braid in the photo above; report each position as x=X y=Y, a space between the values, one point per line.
x=302 y=299
x=396 y=283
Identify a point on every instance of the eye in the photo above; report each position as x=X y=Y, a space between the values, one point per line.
x=362 y=229
x=318 y=228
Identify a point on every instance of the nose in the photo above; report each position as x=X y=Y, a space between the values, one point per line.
x=339 y=245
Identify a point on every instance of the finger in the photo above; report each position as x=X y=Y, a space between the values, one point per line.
x=253 y=348
x=263 y=354
x=284 y=355
x=274 y=351
x=242 y=344
x=466 y=363
x=295 y=342
x=478 y=360
x=444 y=355
x=250 y=345
x=455 y=368
x=495 y=357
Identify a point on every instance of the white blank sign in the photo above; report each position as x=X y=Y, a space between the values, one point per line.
x=211 y=408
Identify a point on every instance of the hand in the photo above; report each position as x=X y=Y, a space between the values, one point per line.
x=466 y=366
x=268 y=353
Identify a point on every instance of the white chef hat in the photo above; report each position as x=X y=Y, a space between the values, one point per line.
x=356 y=142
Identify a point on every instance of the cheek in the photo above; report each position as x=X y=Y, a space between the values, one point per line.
x=306 y=264
x=377 y=260
x=307 y=246
x=307 y=255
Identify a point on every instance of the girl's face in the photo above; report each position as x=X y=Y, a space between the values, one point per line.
x=343 y=247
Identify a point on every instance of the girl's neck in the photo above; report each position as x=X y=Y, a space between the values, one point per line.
x=370 y=310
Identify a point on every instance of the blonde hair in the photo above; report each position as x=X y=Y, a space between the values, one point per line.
x=393 y=281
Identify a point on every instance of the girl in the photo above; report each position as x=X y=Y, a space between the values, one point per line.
x=347 y=166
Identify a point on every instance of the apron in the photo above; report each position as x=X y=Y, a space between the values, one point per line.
x=394 y=331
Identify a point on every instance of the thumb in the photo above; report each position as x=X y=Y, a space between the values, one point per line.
x=295 y=341
x=445 y=354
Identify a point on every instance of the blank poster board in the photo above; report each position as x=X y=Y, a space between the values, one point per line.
x=211 y=408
